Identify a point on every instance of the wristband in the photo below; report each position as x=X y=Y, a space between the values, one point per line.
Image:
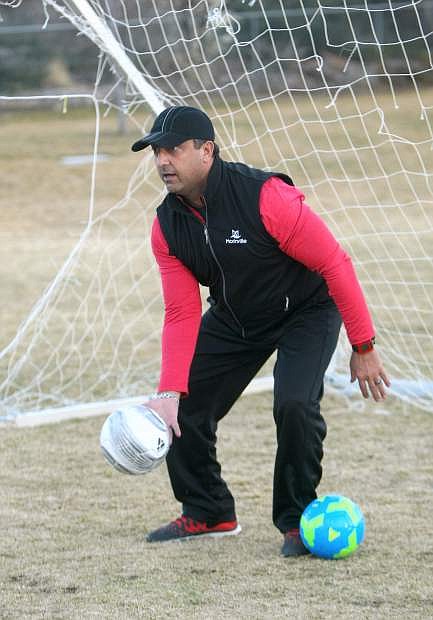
x=159 y=395
x=364 y=347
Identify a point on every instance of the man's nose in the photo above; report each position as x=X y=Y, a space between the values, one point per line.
x=162 y=157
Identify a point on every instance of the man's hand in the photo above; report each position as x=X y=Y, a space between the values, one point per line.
x=167 y=409
x=368 y=369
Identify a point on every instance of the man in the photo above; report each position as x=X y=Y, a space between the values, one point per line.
x=278 y=280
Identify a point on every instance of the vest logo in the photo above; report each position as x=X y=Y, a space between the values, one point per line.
x=236 y=238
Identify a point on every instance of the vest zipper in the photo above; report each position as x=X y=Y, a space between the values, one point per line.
x=208 y=242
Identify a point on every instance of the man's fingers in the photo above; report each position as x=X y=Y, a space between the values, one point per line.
x=363 y=387
x=173 y=429
x=167 y=408
x=374 y=386
x=376 y=391
x=385 y=379
x=372 y=378
x=385 y=382
x=377 y=388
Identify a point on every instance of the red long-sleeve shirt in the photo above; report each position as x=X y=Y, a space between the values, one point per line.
x=301 y=234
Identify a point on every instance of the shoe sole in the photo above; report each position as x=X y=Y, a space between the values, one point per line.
x=234 y=532
x=296 y=554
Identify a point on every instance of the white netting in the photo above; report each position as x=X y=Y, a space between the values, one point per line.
x=338 y=95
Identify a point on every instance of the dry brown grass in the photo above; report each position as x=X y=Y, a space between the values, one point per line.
x=45 y=208
x=73 y=529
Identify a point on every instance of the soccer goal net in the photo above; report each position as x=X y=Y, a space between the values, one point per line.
x=337 y=94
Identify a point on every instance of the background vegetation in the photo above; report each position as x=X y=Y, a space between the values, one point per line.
x=34 y=59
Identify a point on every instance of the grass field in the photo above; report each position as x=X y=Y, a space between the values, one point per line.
x=73 y=529
x=373 y=191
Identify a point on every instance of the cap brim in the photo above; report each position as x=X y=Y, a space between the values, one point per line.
x=166 y=140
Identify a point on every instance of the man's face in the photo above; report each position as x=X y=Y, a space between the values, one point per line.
x=183 y=169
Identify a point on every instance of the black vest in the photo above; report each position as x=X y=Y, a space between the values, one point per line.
x=250 y=279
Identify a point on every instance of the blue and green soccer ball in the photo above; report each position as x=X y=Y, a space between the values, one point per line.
x=332 y=526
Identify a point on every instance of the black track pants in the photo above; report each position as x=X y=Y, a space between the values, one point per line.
x=223 y=365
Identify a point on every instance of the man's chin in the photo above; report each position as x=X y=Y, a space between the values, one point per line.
x=173 y=188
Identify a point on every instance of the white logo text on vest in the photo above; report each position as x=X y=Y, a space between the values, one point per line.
x=236 y=238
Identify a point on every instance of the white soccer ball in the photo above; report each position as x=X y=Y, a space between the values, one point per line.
x=135 y=440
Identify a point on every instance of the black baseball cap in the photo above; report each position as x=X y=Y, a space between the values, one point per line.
x=175 y=125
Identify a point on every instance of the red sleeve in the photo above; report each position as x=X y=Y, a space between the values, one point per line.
x=182 y=315
x=305 y=237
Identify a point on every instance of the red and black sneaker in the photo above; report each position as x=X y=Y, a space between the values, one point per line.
x=293 y=545
x=185 y=527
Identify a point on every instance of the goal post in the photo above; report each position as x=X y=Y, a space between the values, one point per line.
x=102 y=35
x=337 y=95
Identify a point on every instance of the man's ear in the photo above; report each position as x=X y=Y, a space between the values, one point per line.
x=208 y=149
